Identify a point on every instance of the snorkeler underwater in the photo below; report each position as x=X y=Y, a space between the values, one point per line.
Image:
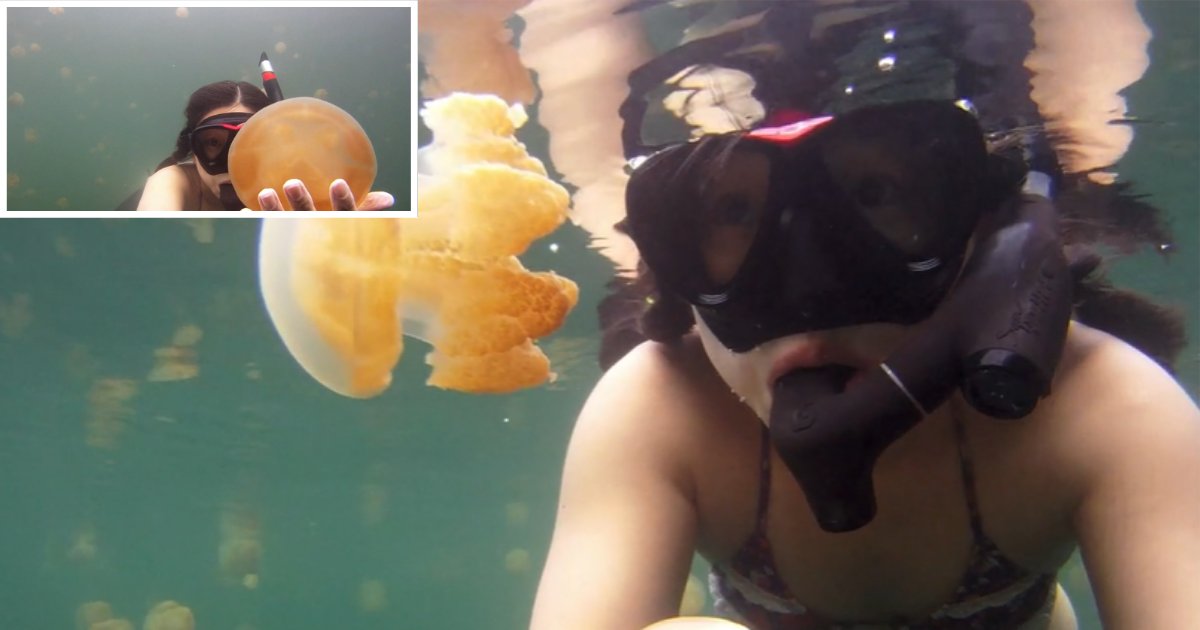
x=865 y=243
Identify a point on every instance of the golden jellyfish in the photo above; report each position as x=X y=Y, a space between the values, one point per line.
x=31 y=135
x=65 y=72
x=342 y=294
x=372 y=596
x=169 y=615
x=109 y=408
x=516 y=513
x=280 y=47
x=15 y=315
x=301 y=138
x=16 y=99
x=17 y=51
x=90 y=613
x=35 y=47
x=56 y=10
x=14 y=180
x=62 y=203
x=695 y=623
x=518 y=562
x=321 y=93
x=181 y=12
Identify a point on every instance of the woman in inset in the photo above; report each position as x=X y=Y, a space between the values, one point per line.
x=196 y=175
x=869 y=370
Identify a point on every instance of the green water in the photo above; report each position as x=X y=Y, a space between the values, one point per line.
x=422 y=492
x=104 y=96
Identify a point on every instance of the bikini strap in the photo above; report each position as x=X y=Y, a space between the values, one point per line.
x=968 y=476
x=764 y=480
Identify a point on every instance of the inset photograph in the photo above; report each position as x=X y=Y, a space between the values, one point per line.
x=210 y=108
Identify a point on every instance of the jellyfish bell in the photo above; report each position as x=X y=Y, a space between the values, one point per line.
x=301 y=138
x=373 y=346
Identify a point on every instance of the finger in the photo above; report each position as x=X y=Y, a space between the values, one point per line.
x=339 y=193
x=377 y=201
x=298 y=195
x=269 y=200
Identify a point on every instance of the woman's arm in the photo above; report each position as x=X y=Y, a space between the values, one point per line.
x=626 y=526
x=1138 y=516
x=164 y=190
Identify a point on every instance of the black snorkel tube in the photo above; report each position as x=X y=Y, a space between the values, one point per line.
x=270 y=83
x=269 y=80
x=998 y=336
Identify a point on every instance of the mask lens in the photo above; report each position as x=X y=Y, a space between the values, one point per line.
x=734 y=204
x=209 y=142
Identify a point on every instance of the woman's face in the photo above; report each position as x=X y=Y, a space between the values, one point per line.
x=213 y=182
x=752 y=374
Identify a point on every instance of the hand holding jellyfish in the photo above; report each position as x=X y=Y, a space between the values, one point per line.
x=343 y=293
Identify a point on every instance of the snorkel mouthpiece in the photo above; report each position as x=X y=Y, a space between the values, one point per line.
x=998 y=336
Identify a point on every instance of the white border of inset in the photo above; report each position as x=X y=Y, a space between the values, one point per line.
x=409 y=213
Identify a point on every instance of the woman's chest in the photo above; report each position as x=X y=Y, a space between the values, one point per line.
x=913 y=556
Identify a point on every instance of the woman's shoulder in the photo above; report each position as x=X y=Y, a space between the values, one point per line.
x=166 y=189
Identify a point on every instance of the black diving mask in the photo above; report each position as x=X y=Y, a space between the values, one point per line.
x=212 y=138
x=862 y=218
x=824 y=223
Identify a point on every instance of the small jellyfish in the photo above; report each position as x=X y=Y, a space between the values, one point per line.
x=516 y=514
x=35 y=47
x=133 y=105
x=280 y=47
x=169 y=615
x=65 y=72
x=62 y=203
x=14 y=180
x=181 y=12
x=56 y=10
x=295 y=55
x=31 y=135
x=250 y=581
x=100 y=181
x=373 y=94
x=372 y=596
x=517 y=561
x=321 y=93
x=17 y=51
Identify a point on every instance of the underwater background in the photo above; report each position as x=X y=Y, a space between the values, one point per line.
x=96 y=95
x=158 y=443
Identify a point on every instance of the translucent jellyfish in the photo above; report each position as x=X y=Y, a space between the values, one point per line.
x=250 y=581
x=16 y=314
x=56 y=10
x=62 y=203
x=100 y=181
x=31 y=135
x=169 y=615
x=203 y=230
x=181 y=12
x=17 y=51
x=471 y=50
x=516 y=513
x=90 y=613
x=374 y=503
x=518 y=561
x=64 y=247
x=109 y=410
x=306 y=139
x=35 y=47
x=321 y=93
x=174 y=363
x=16 y=99
x=113 y=624
x=372 y=596
x=280 y=47
x=240 y=552
x=65 y=72
x=342 y=294
x=14 y=180
x=83 y=547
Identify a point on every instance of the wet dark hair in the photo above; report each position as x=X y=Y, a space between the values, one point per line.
x=206 y=99
x=1097 y=223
